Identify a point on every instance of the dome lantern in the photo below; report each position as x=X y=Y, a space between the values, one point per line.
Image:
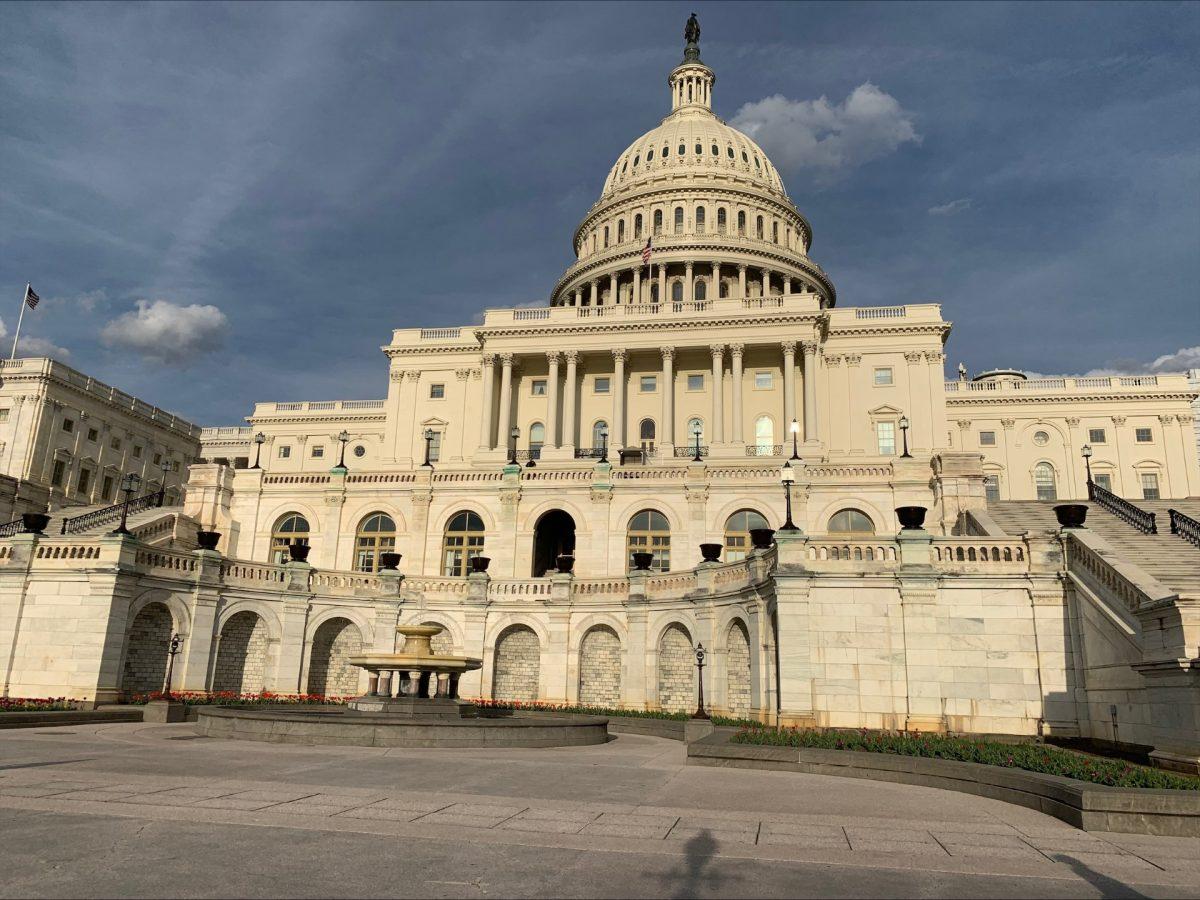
x=691 y=81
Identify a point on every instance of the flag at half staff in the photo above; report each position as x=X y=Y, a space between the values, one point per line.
x=646 y=253
x=31 y=297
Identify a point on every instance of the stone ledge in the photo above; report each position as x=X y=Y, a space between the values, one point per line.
x=1090 y=807
x=54 y=717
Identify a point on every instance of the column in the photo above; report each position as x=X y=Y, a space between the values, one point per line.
x=579 y=296
x=617 y=431
x=489 y=378
x=715 y=294
x=568 y=428
x=662 y=282
x=809 y=349
x=716 y=433
x=668 y=396
x=612 y=288
x=787 y=285
x=595 y=293
x=552 y=401
x=735 y=360
x=689 y=293
x=742 y=280
x=789 y=386
x=637 y=285
x=506 y=362
x=766 y=282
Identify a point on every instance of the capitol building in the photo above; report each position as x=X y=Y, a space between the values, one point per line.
x=584 y=490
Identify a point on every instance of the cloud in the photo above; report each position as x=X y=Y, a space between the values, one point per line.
x=36 y=346
x=166 y=332
x=1181 y=360
x=952 y=208
x=829 y=139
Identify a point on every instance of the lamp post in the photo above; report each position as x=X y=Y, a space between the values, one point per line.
x=512 y=453
x=1086 y=453
x=904 y=432
x=700 y=712
x=129 y=484
x=259 y=440
x=787 y=476
x=162 y=489
x=696 y=433
x=171 y=651
x=795 y=439
x=428 y=444
x=603 y=445
x=344 y=436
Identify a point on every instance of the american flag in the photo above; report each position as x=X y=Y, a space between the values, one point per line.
x=31 y=298
x=646 y=253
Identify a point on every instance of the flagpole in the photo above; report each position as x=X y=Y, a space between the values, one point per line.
x=20 y=318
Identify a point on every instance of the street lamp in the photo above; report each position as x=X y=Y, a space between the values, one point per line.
x=700 y=712
x=428 y=444
x=514 y=433
x=1087 y=461
x=904 y=432
x=604 y=444
x=129 y=484
x=795 y=439
x=697 y=431
x=259 y=440
x=344 y=436
x=787 y=475
x=164 y=468
x=171 y=651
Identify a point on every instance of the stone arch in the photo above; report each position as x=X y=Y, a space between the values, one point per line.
x=147 y=645
x=460 y=506
x=884 y=522
x=737 y=669
x=241 y=664
x=676 y=669
x=516 y=669
x=716 y=524
x=450 y=641
x=529 y=517
x=334 y=640
x=600 y=666
x=634 y=507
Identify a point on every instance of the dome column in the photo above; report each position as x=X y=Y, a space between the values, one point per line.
x=579 y=296
x=689 y=292
x=766 y=282
x=716 y=282
x=612 y=288
x=787 y=285
x=662 y=282
x=637 y=285
x=742 y=280
x=595 y=294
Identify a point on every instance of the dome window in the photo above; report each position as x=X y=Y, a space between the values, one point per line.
x=716 y=151
x=742 y=224
x=621 y=232
x=650 y=154
x=745 y=158
x=605 y=235
x=701 y=290
x=636 y=160
x=677 y=291
x=775 y=232
x=758 y=228
x=666 y=151
x=624 y=166
x=721 y=220
x=699 y=149
x=729 y=151
x=679 y=220
x=756 y=165
x=699 y=220
x=658 y=221
x=682 y=149
x=637 y=226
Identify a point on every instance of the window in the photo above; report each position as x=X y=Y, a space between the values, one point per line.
x=695 y=424
x=137 y=452
x=737 y=533
x=991 y=488
x=729 y=152
x=646 y=434
x=695 y=382
x=60 y=469
x=742 y=224
x=599 y=429
x=605 y=235
x=764 y=381
x=68 y=425
x=699 y=220
x=883 y=376
x=745 y=158
x=85 y=478
x=621 y=231
x=677 y=291
x=538 y=387
x=1041 y=438
x=716 y=151
x=679 y=220
x=106 y=491
x=885 y=438
x=649 y=384
x=93 y=435
x=4 y=415
x=1143 y=435
x=764 y=435
x=658 y=221
x=115 y=443
x=701 y=291
x=318 y=451
x=851 y=521
x=1104 y=481
x=1043 y=480
x=758 y=227
x=537 y=439
x=987 y=439
x=1149 y=486
x=721 y=220
x=601 y=384
x=291 y=529
x=650 y=154
x=360 y=451
x=462 y=542
x=637 y=225
x=241 y=462
x=376 y=535
x=637 y=159
x=435 y=446
x=775 y=232
x=682 y=149
x=649 y=532
x=699 y=149
x=285 y=452
x=437 y=392
x=1097 y=436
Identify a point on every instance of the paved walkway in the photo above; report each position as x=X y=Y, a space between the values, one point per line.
x=572 y=821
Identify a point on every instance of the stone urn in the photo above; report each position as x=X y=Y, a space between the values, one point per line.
x=911 y=517
x=479 y=564
x=389 y=561
x=711 y=552
x=298 y=552
x=641 y=561
x=34 y=523
x=565 y=564
x=208 y=539
x=1071 y=515
x=762 y=538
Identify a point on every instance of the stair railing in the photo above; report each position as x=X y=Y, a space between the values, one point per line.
x=111 y=513
x=1185 y=526
x=1121 y=508
x=8 y=529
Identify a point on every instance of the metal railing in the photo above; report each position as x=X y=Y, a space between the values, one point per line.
x=1185 y=526
x=16 y=526
x=589 y=452
x=1124 y=510
x=764 y=450
x=111 y=513
x=689 y=452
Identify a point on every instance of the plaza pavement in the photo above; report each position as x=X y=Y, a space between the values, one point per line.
x=155 y=810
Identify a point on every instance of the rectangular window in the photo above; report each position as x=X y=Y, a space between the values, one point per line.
x=116 y=443
x=987 y=439
x=883 y=375
x=4 y=415
x=885 y=434
x=60 y=469
x=600 y=386
x=1143 y=435
x=437 y=392
x=435 y=447
x=285 y=452
x=649 y=384
x=241 y=462
x=1096 y=436
x=85 y=478
x=106 y=491
x=538 y=387
x=318 y=451
x=763 y=381
x=137 y=452
x=158 y=459
x=1149 y=486
x=695 y=382
x=93 y=435
x=991 y=487
x=1104 y=481
x=68 y=425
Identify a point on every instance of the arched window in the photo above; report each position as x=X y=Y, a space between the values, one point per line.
x=701 y=289
x=376 y=534
x=851 y=522
x=637 y=226
x=462 y=542
x=694 y=423
x=598 y=432
x=654 y=292
x=605 y=235
x=637 y=159
x=775 y=232
x=764 y=435
x=682 y=149
x=291 y=529
x=650 y=154
x=679 y=220
x=721 y=220
x=621 y=232
x=677 y=291
x=658 y=221
x=666 y=150
x=537 y=437
x=649 y=532
x=742 y=224
x=716 y=151
x=1043 y=479
x=758 y=227
x=729 y=152
x=699 y=149
x=699 y=220
x=737 y=533
x=646 y=433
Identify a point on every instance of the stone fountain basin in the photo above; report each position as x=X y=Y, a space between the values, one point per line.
x=415 y=662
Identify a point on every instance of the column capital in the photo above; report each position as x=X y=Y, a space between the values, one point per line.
x=809 y=347
x=506 y=359
x=789 y=347
x=571 y=356
x=667 y=353
x=552 y=357
x=742 y=267
x=619 y=354
x=1166 y=420
x=489 y=359
x=737 y=350
x=412 y=375
x=717 y=350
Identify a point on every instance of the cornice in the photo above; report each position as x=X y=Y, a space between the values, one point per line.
x=309 y=419
x=1018 y=398
x=666 y=324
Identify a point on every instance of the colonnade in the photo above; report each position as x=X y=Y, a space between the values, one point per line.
x=653 y=288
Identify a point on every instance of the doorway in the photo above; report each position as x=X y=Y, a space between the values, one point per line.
x=553 y=536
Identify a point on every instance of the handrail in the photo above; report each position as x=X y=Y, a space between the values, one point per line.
x=1121 y=508
x=764 y=450
x=8 y=529
x=111 y=513
x=690 y=451
x=1185 y=526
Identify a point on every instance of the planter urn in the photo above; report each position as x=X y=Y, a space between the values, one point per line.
x=565 y=564
x=642 y=561
x=34 y=523
x=711 y=552
x=1071 y=515
x=298 y=552
x=389 y=561
x=762 y=538
x=207 y=540
x=911 y=517
x=480 y=564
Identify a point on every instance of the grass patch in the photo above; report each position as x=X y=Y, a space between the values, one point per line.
x=1041 y=758
x=35 y=704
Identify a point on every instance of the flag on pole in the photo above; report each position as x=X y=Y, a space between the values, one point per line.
x=31 y=297
x=646 y=253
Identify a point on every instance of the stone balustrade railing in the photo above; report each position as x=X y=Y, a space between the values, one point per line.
x=953 y=552
x=825 y=550
x=1104 y=573
x=1117 y=383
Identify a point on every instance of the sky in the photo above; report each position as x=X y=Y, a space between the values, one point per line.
x=223 y=204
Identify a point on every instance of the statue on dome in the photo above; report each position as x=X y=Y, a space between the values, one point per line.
x=691 y=31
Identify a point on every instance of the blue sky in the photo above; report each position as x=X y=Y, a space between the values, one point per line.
x=228 y=203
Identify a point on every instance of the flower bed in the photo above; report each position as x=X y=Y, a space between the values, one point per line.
x=1029 y=757
x=34 y=704
x=544 y=706
x=233 y=698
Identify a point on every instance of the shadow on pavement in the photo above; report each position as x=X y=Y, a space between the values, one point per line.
x=1108 y=887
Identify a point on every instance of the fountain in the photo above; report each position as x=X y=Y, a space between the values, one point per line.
x=420 y=666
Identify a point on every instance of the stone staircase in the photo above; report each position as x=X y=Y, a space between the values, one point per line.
x=1166 y=557
x=153 y=526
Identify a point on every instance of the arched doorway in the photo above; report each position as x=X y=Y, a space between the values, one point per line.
x=146 y=655
x=553 y=536
x=329 y=675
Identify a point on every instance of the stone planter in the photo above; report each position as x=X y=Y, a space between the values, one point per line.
x=911 y=517
x=762 y=538
x=565 y=564
x=1071 y=515
x=389 y=561
x=711 y=552
x=299 y=552
x=480 y=563
x=34 y=523
x=641 y=561
x=208 y=539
